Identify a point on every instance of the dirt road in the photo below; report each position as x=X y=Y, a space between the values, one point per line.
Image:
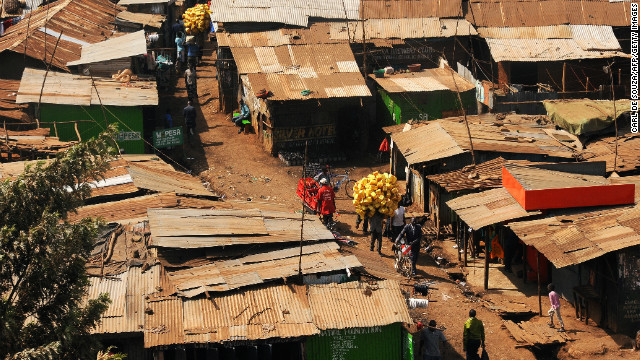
x=238 y=168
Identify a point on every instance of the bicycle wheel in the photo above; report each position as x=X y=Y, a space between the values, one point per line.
x=348 y=187
x=405 y=266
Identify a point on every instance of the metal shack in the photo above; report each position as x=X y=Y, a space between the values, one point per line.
x=548 y=50
x=74 y=22
x=78 y=107
x=427 y=94
x=107 y=57
x=311 y=91
x=594 y=256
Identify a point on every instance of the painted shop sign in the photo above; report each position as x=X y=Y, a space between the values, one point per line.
x=304 y=133
x=408 y=53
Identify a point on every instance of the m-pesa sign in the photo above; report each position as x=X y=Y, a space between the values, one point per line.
x=168 y=137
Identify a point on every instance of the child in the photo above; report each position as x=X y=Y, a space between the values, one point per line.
x=554 y=299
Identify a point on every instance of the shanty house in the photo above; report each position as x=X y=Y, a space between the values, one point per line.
x=429 y=94
x=443 y=145
x=548 y=49
x=229 y=288
x=165 y=8
x=79 y=107
x=313 y=90
x=31 y=42
x=107 y=57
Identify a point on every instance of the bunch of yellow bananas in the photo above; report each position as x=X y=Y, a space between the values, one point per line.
x=376 y=192
x=197 y=19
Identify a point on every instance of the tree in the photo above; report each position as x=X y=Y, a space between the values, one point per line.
x=42 y=256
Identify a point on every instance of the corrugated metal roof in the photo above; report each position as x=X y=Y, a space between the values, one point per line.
x=152 y=20
x=276 y=311
x=260 y=268
x=488 y=207
x=572 y=237
x=426 y=143
x=115 y=48
x=424 y=81
x=485 y=175
x=492 y=13
x=543 y=50
x=192 y=228
x=291 y=12
x=88 y=21
x=141 y=2
x=401 y=29
x=163 y=181
x=317 y=33
x=449 y=137
x=69 y=89
x=401 y=9
x=357 y=305
x=532 y=178
x=327 y=70
x=604 y=149
x=127 y=292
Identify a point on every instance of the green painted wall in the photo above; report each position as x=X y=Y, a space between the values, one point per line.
x=380 y=343
x=398 y=108
x=128 y=119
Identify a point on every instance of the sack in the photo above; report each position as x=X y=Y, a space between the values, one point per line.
x=484 y=355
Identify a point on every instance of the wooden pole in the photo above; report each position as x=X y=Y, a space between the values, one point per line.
x=486 y=264
x=458 y=239
x=564 y=75
x=586 y=87
x=539 y=286
x=304 y=168
x=524 y=263
x=466 y=243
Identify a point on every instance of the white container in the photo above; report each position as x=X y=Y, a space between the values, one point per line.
x=388 y=70
x=418 y=303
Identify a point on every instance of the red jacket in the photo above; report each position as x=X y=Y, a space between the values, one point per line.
x=326 y=200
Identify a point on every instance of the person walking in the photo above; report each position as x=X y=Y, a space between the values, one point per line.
x=413 y=230
x=180 y=50
x=326 y=205
x=397 y=222
x=189 y=114
x=375 y=224
x=554 y=299
x=191 y=82
x=430 y=339
x=473 y=336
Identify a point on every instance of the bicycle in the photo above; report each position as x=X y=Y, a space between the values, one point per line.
x=348 y=183
x=403 y=258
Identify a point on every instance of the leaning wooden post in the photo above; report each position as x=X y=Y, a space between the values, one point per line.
x=486 y=264
x=524 y=263
x=539 y=289
x=458 y=239
x=466 y=243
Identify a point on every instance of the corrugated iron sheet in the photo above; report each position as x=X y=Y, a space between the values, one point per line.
x=572 y=237
x=141 y=2
x=69 y=89
x=604 y=149
x=115 y=48
x=489 y=13
x=543 y=50
x=485 y=175
x=291 y=12
x=357 y=305
x=424 y=81
x=164 y=181
x=532 y=178
x=416 y=150
x=290 y=86
x=88 y=21
x=260 y=268
x=152 y=20
x=401 y=9
x=192 y=228
x=401 y=29
x=488 y=207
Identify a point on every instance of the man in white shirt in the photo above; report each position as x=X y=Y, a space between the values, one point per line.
x=397 y=222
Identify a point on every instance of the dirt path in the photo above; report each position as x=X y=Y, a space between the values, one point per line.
x=238 y=168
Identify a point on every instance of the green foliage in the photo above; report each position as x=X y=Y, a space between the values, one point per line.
x=108 y=355
x=43 y=257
